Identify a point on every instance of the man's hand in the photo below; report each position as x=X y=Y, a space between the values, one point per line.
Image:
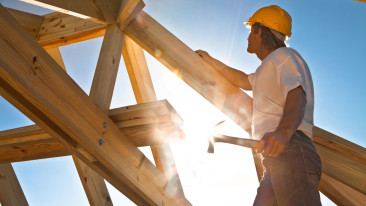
x=273 y=143
x=203 y=54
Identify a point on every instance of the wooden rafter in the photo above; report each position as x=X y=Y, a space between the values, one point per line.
x=143 y=89
x=152 y=123
x=37 y=86
x=10 y=191
x=94 y=186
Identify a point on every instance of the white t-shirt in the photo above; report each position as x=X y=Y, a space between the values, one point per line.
x=281 y=71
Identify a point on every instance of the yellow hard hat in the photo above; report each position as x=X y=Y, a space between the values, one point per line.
x=272 y=17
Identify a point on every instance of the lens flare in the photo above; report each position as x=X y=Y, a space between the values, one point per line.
x=158 y=53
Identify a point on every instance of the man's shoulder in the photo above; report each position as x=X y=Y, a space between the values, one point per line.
x=282 y=55
x=285 y=51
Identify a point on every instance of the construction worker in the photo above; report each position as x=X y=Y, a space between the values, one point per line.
x=283 y=104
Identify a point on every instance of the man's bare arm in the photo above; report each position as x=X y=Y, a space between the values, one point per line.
x=236 y=77
x=274 y=143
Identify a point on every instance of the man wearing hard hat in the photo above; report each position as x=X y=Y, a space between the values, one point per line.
x=283 y=105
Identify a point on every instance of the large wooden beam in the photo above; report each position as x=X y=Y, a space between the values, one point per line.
x=33 y=82
x=10 y=191
x=101 y=93
x=340 y=193
x=97 y=10
x=147 y=124
x=143 y=89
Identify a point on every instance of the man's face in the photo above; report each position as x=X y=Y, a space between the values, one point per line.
x=254 y=41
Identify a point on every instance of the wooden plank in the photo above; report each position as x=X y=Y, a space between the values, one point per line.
x=144 y=92
x=60 y=29
x=33 y=82
x=11 y=192
x=340 y=167
x=107 y=67
x=153 y=123
x=96 y=10
x=30 y=22
x=138 y=72
x=340 y=145
x=340 y=193
x=94 y=185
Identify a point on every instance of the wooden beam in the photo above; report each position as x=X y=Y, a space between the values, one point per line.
x=94 y=185
x=340 y=193
x=60 y=29
x=96 y=10
x=11 y=192
x=144 y=92
x=101 y=93
x=147 y=124
x=342 y=168
x=30 y=22
x=339 y=145
x=33 y=82
x=107 y=67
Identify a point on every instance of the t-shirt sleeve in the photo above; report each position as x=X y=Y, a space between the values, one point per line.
x=290 y=76
x=250 y=78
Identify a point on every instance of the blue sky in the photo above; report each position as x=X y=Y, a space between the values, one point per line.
x=329 y=34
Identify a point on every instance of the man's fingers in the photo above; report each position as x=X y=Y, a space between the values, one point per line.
x=259 y=147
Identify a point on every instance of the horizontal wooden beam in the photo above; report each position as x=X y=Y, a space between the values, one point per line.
x=35 y=84
x=152 y=123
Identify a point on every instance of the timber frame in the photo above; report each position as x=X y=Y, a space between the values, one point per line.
x=104 y=142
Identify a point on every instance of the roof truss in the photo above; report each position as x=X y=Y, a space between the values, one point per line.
x=176 y=56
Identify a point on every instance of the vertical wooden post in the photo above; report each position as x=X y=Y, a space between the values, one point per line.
x=101 y=92
x=143 y=88
x=10 y=191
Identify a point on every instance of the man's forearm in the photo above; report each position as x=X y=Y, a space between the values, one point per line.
x=293 y=112
x=236 y=77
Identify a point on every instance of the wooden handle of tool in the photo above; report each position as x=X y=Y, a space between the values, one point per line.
x=250 y=143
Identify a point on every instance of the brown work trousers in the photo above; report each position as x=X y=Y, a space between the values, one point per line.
x=291 y=178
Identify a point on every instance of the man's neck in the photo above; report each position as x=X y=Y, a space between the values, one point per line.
x=263 y=53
